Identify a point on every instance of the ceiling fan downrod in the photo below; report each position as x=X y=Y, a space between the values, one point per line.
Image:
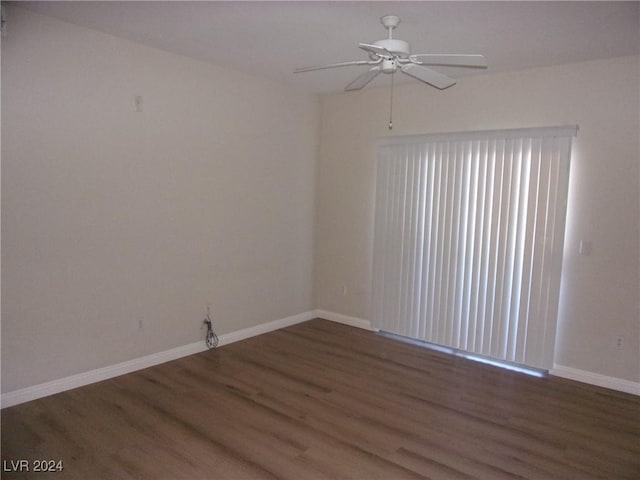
x=390 y=22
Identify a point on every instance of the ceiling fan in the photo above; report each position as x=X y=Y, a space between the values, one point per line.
x=390 y=55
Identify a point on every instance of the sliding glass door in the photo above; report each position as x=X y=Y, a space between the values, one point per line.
x=469 y=233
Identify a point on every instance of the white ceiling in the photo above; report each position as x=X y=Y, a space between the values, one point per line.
x=271 y=39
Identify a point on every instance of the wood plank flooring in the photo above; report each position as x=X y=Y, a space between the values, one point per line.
x=321 y=400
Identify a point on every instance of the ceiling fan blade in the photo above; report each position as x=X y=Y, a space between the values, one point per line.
x=376 y=50
x=363 y=79
x=429 y=76
x=477 y=61
x=334 y=65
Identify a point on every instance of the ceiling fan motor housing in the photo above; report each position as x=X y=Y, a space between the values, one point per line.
x=397 y=47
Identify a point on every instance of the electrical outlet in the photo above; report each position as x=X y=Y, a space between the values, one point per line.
x=619 y=342
x=140 y=323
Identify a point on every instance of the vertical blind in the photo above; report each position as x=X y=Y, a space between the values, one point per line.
x=468 y=240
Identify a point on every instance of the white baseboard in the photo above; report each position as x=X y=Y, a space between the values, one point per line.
x=85 y=378
x=591 y=378
x=60 y=385
x=583 y=376
x=238 y=335
x=340 y=318
x=74 y=381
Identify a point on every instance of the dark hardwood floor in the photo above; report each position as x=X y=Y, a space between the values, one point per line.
x=327 y=401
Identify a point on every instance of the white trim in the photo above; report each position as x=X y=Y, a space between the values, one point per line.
x=582 y=376
x=249 y=332
x=592 y=378
x=340 y=318
x=74 y=381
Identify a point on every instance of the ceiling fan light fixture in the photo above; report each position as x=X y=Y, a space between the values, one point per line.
x=389 y=66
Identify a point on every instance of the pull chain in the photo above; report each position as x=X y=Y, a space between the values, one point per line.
x=391 y=104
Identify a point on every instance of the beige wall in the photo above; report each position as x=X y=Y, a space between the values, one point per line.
x=600 y=293
x=111 y=216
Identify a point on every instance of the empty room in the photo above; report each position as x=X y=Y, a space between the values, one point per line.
x=320 y=240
